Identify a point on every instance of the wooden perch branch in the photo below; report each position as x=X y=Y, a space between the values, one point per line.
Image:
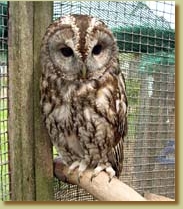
x=100 y=187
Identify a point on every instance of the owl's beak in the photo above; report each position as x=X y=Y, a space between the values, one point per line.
x=83 y=71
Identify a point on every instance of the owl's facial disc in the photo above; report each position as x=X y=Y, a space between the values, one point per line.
x=80 y=47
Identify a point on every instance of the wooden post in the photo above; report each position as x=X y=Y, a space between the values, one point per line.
x=20 y=124
x=30 y=149
x=43 y=148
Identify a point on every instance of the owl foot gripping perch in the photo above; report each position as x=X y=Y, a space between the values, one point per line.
x=82 y=166
x=83 y=96
x=110 y=171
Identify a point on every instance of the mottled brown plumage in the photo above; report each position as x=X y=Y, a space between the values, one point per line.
x=83 y=94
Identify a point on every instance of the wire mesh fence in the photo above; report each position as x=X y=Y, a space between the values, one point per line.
x=146 y=40
x=145 y=33
x=4 y=171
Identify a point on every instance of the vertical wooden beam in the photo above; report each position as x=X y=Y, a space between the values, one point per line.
x=20 y=124
x=30 y=148
x=43 y=149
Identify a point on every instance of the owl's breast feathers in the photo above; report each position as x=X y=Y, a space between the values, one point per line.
x=87 y=120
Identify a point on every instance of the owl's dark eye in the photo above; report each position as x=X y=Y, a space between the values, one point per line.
x=66 y=51
x=97 y=49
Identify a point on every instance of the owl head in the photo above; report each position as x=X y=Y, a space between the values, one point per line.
x=78 y=47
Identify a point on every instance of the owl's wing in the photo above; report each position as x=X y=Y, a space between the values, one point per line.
x=116 y=156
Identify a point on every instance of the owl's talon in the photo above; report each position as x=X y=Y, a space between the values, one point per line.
x=96 y=171
x=79 y=179
x=109 y=179
x=72 y=167
x=69 y=172
x=82 y=167
x=93 y=176
x=110 y=171
x=80 y=176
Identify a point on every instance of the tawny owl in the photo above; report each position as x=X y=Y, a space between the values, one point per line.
x=83 y=94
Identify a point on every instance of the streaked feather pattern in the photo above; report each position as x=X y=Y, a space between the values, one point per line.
x=86 y=117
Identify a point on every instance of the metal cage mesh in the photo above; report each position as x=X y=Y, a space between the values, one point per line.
x=146 y=40
x=4 y=171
